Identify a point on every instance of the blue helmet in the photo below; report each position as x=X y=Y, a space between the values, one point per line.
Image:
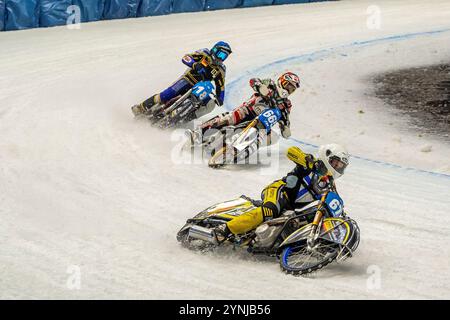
x=221 y=50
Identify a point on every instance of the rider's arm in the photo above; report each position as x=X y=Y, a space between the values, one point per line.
x=220 y=88
x=197 y=61
x=306 y=160
x=261 y=87
x=190 y=59
x=285 y=131
x=293 y=181
x=284 y=125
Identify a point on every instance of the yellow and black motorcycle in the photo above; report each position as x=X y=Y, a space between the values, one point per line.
x=303 y=240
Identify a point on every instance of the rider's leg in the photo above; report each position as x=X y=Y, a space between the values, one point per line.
x=179 y=87
x=218 y=122
x=274 y=200
x=246 y=222
x=211 y=127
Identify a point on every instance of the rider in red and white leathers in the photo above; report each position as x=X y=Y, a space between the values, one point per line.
x=268 y=94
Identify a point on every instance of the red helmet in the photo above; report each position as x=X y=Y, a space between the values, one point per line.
x=287 y=83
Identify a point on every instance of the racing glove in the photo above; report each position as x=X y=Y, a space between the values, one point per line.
x=259 y=87
x=285 y=131
x=307 y=161
x=316 y=165
x=319 y=168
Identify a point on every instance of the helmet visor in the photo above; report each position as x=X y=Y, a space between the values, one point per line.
x=222 y=55
x=337 y=164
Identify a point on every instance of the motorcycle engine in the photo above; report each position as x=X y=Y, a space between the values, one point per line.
x=266 y=234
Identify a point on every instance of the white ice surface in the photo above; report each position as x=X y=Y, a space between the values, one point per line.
x=82 y=183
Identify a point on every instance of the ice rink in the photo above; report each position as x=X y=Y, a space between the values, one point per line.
x=83 y=186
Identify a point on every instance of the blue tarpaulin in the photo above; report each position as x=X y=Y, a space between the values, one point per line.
x=133 y=6
x=188 y=5
x=256 y=3
x=154 y=7
x=21 y=14
x=120 y=9
x=290 y=1
x=91 y=10
x=53 y=13
x=221 y=4
x=115 y=9
x=2 y=15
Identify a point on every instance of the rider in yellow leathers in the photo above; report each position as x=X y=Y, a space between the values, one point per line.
x=310 y=178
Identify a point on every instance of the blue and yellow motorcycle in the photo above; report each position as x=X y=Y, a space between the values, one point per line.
x=303 y=240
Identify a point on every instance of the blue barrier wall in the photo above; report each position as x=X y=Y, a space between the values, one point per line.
x=154 y=8
x=24 y=14
x=53 y=13
x=221 y=4
x=2 y=15
x=256 y=3
x=21 y=14
x=91 y=10
x=115 y=9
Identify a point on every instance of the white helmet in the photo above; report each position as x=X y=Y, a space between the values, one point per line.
x=335 y=158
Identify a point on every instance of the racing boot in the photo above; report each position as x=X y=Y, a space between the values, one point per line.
x=138 y=110
x=144 y=108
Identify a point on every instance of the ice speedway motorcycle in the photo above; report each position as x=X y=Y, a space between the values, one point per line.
x=303 y=240
x=235 y=144
x=182 y=109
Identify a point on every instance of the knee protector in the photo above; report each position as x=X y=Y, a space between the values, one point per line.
x=269 y=210
x=273 y=200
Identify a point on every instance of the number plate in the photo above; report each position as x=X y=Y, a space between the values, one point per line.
x=335 y=204
x=203 y=91
x=269 y=117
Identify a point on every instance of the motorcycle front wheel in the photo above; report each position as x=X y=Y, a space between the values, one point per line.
x=297 y=259
x=225 y=155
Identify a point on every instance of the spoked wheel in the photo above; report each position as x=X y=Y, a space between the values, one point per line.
x=222 y=157
x=297 y=259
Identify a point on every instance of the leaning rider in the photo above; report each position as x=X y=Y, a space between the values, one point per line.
x=267 y=94
x=204 y=65
x=310 y=178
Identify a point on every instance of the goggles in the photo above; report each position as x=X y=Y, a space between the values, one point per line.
x=222 y=55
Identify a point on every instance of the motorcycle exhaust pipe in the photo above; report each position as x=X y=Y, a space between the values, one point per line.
x=201 y=233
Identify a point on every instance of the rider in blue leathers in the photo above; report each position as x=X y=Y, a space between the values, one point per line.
x=204 y=65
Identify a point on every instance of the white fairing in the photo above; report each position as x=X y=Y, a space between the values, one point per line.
x=227 y=204
x=246 y=139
